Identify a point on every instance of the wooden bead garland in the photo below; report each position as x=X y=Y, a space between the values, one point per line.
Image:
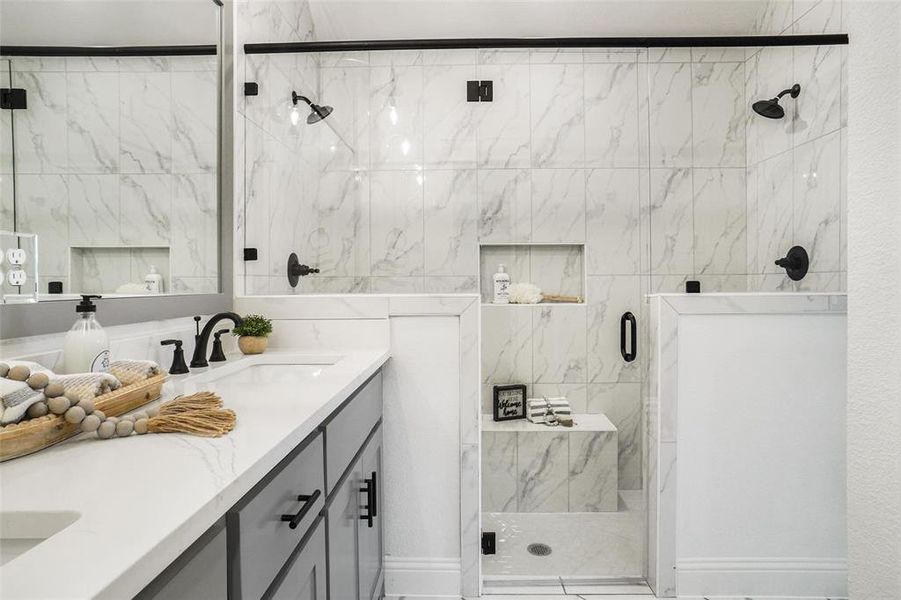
x=198 y=414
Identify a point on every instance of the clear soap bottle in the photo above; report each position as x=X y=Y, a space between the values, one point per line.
x=86 y=349
x=501 y=286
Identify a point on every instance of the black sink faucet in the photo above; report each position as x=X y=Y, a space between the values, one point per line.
x=202 y=339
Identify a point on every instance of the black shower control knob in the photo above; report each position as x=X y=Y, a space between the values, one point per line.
x=796 y=263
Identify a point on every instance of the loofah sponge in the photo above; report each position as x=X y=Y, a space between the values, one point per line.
x=525 y=293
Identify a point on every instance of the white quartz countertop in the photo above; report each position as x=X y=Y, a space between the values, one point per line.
x=143 y=500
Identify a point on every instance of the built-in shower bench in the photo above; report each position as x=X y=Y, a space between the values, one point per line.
x=536 y=468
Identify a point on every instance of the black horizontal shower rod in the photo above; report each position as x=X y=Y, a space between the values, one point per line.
x=829 y=39
x=188 y=50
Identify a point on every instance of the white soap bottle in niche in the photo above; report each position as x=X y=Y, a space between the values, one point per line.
x=501 y=286
x=153 y=281
x=86 y=348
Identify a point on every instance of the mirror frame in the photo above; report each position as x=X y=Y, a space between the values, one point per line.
x=56 y=316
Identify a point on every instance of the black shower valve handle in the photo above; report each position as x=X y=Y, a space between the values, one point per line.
x=796 y=263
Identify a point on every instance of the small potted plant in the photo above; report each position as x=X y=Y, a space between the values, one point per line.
x=253 y=334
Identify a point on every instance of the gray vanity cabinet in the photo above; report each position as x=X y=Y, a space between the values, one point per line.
x=305 y=577
x=355 y=527
x=311 y=529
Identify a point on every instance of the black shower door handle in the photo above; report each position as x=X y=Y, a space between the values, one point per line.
x=628 y=355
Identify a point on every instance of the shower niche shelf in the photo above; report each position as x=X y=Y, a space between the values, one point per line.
x=558 y=269
x=102 y=269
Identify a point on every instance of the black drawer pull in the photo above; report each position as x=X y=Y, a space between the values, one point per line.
x=630 y=318
x=371 y=506
x=308 y=502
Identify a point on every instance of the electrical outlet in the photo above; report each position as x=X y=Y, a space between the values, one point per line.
x=17 y=277
x=15 y=256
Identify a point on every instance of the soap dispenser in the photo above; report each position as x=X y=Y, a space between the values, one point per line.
x=153 y=281
x=86 y=348
x=501 y=286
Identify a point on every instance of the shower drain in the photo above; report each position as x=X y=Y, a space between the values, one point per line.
x=539 y=549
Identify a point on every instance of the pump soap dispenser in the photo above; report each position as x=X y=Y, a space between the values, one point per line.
x=86 y=348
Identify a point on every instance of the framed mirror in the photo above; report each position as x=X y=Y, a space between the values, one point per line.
x=109 y=144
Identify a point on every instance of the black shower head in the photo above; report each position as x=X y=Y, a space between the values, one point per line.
x=317 y=113
x=770 y=108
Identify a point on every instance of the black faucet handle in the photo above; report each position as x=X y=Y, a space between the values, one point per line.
x=178 y=357
x=221 y=332
x=197 y=319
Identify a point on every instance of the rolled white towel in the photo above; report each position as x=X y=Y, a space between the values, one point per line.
x=133 y=371
x=87 y=385
x=15 y=398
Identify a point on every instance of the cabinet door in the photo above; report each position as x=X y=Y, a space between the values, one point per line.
x=343 y=516
x=370 y=530
x=200 y=573
x=305 y=577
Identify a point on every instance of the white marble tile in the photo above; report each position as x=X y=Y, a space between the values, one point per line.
x=714 y=54
x=720 y=221
x=722 y=283
x=396 y=108
x=450 y=122
x=557 y=270
x=460 y=56
x=611 y=115
x=621 y=403
x=773 y=136
x=451 y=223
x=592 y=471
x=40 y=145
x=499 y=471
x=506 y=344
x=612 y=55
x=541 y=56
x=344 y=59
x=504 y=206
x=194 y=122
x=557 y=116
x=558 y=206
x=258 y=167
x=843 y=204
x=451 y=285
x=396 y=222
x=145 y=121
x=774 y=18
x=100 y=270
x=672 y=229
x=347 y=90
x=144 y=64
x=670 y=111
x=93 y=210
x=195 y=226
x=818 y=107
x=504 y=126
x=338 y=233
x=142 y=259
x=774 y=212
x=609 y=297
x=718 y=114
x=817 y=201
x=396 y=58
x=817 y=16
x=20 y=64
x=397 y=285
x=559 y=344
x=145 y=205
x=43 y=208
x=613 y=210
x=542 y=468
x=669 y=55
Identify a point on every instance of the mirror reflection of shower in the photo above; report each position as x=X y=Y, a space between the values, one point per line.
x=317 y=113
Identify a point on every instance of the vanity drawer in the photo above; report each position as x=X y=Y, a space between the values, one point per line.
x=347 y=429
x=260 y=533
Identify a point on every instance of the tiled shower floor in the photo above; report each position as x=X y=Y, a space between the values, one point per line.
x=602 y=545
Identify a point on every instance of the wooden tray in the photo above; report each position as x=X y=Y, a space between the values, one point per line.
x=32 y=435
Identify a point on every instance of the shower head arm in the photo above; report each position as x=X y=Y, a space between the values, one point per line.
x=295 y=97
x=794 y=90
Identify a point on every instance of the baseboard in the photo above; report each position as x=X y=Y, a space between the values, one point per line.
x=784 y=577
x=422 y=577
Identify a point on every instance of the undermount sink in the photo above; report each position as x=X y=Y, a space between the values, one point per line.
x=269 y=369
x=20 y=531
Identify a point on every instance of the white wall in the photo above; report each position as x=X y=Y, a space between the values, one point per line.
x=761 y=470
x=874 y=308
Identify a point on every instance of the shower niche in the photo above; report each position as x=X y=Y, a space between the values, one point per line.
x=558 y=270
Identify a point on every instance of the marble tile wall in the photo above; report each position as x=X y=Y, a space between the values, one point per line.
x=796 y=167
x=113 y=155
x=549 y=471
